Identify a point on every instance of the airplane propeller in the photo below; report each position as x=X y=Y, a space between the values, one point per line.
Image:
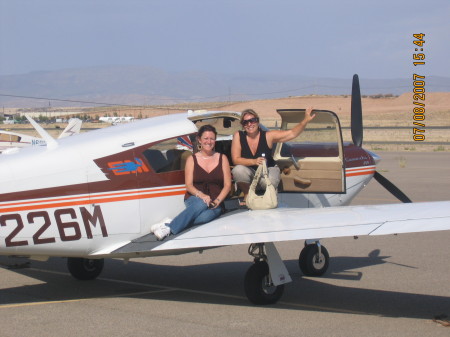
x=395 y=191
x=356 y=113
x=357 y=137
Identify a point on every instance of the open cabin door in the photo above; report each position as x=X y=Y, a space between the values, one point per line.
x=312 y=162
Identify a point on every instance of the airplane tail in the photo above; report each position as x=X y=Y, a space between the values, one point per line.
x=72 y=128
x=51 y=142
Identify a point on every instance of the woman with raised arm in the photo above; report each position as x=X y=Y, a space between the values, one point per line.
x=252 y=146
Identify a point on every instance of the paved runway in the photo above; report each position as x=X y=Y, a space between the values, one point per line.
x=375 y=286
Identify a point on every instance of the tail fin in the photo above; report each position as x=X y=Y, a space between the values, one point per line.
x=72 y=128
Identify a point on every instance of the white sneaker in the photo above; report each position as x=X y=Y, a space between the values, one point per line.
x=162 y=232
x=156 y=226
x=163 y=223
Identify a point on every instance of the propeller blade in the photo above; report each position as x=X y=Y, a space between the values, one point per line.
x=356 y=111
x=391 y=188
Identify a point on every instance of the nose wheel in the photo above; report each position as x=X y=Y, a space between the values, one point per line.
x=314 y=260
x=258 y=285
x=85 y=269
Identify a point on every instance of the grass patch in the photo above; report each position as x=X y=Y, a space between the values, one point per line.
x=377 y=148
x=401 y=162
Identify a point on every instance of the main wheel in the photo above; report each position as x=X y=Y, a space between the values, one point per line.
x=258 y=288
x=312 y=263
x=85 y=269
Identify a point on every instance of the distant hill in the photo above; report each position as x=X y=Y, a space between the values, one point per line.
x=133 y=85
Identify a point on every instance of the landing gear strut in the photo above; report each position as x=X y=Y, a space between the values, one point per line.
x=85 y=269
x=258 y=283
x=314 y=259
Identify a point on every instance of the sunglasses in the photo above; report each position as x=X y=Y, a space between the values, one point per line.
x=250 y=121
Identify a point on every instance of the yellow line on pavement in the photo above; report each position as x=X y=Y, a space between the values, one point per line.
x=162 y=289
x=27 y=304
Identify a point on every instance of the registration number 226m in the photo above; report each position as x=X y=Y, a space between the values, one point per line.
x=66 y=220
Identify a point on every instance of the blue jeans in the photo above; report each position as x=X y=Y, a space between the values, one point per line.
x=195 y=213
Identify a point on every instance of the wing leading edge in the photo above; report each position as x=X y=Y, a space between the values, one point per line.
x=286 y=224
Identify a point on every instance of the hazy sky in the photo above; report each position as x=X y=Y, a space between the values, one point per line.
x=315 y=38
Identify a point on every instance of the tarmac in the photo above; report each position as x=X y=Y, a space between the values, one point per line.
x=397 y=285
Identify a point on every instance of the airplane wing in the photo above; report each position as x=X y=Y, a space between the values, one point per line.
x=285 y=224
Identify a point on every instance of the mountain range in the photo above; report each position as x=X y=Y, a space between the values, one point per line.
x=136 y=85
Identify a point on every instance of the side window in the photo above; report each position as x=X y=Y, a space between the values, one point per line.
x=9 y=138
x=169 y=155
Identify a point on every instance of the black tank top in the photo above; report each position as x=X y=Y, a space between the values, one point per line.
x=262 y=148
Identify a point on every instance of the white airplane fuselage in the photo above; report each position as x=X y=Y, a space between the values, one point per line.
x=75 y=201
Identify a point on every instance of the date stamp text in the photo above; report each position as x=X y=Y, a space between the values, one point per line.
x=419 y=90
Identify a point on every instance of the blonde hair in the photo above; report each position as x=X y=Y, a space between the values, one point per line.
x=248 y=112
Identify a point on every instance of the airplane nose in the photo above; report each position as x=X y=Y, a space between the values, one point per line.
x=375 y=157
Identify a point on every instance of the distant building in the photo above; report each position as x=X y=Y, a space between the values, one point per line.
x=50 y=114
x=8 y=120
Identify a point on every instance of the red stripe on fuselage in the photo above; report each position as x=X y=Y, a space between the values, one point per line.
x=95 y=199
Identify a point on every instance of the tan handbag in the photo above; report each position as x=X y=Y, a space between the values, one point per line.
x=269 y=199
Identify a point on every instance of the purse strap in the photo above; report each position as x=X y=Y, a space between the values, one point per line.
x=262 y=170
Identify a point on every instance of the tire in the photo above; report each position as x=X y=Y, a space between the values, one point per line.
x=85 y=269
x=308 y=263
x=256 y=288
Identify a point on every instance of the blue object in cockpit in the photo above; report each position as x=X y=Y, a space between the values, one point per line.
x=128 y=166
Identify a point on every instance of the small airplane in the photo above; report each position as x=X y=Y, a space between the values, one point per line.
x=96 y=196
x=116 y=120
x=12 y=141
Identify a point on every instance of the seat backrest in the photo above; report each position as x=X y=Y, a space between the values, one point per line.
x=156 y=159
x=177 y=158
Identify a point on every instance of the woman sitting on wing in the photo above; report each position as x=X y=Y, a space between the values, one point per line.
x=252 y=146
x=208 y=182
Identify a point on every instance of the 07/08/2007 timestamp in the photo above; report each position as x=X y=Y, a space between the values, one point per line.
x=419 y=91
